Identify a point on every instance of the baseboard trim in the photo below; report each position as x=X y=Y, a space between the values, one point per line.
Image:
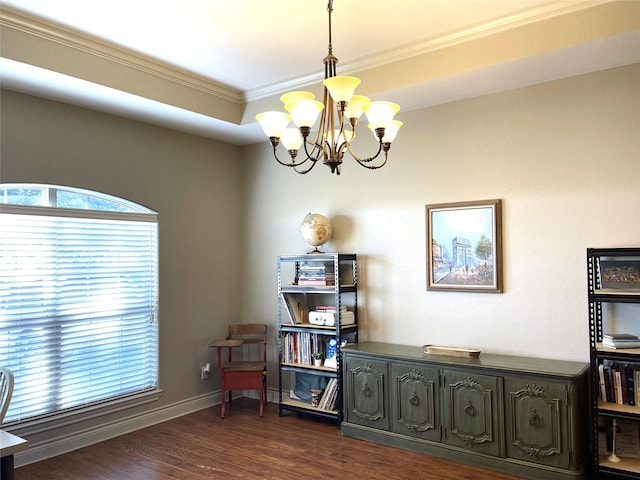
x=67 y=443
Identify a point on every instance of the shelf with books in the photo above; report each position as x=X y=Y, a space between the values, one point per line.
x=317 y=312
x=613 y=280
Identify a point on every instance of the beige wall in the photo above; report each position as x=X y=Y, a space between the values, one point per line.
x=564 y=157
x=195 y=184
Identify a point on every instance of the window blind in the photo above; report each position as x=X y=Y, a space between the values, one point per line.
x=78 y=307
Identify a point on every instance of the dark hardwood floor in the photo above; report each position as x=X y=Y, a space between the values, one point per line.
x=244 y=446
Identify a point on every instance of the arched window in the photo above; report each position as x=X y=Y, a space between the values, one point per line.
x=78 y=299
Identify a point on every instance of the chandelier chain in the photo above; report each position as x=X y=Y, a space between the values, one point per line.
x=330 y=9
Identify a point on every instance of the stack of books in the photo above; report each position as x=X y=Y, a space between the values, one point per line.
x=329 y=396
x=316 y=274
x=620 y=340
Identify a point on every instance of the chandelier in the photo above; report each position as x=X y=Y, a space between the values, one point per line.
x=339 y=112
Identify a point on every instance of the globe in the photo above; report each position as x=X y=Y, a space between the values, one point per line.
x=315 y=230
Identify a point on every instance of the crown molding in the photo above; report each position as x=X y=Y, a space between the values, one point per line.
x=486 y=29
x=35 y=27
x=428 y=46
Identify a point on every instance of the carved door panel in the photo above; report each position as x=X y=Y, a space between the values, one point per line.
x=536 y=418
x=416 y=410
x=472 y=412
x=366 y=390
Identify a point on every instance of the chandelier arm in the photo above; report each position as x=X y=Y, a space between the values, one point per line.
x=303 y=172
x=319 y=144
x=363 y=161
x=373 y=167
x=316 y=146
x=293 y=163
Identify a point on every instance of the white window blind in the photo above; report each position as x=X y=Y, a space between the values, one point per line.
x=78 y=307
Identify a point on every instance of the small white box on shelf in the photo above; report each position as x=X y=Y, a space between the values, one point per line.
x=329 y=318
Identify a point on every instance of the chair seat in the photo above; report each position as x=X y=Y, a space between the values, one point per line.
x=249 y=338
x=245 y=367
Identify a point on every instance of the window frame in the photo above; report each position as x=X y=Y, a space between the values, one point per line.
x=126 y=210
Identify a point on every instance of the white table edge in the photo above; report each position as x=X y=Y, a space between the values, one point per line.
x=11 y=444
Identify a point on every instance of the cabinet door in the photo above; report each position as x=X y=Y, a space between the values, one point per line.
x=537 y=421
x=472 y=412
x=415 y=406
x=366 y=392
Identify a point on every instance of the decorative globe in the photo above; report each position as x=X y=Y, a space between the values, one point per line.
x=315 y=230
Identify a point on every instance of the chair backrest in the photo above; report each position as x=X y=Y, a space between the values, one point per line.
x=6 y=390
x=250 y=333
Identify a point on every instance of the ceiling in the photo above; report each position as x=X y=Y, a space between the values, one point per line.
x=208 y=66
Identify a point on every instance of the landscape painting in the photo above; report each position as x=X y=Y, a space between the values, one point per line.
x=464 y=246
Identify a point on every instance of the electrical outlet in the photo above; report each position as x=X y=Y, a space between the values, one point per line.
x=204 y=371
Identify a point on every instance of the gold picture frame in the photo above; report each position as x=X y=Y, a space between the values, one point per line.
x=464 y=246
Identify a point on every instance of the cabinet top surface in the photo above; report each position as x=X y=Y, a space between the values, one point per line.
x=508 y=363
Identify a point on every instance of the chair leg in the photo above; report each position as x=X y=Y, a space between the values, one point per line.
x=261 y=403
x=222 y=406
x=264 y=388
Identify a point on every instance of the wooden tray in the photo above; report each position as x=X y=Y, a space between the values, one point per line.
x=451 y=351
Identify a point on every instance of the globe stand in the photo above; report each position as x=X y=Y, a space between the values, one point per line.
x=315 y=231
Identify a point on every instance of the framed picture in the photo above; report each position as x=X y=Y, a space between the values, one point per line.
x=464 y=246
x=619 y=274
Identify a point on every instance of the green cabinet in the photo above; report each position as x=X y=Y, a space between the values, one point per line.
x=416 y=409
x=522 y=416
x=538 y=427
x=473 y=411
x=366 y=392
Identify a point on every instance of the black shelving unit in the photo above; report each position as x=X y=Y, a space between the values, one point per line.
x=343 y=293
x=604 y=413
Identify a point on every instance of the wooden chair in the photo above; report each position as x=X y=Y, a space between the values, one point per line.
x=6 y=391
x=243 y=374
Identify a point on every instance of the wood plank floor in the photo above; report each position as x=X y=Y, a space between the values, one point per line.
x=243 y=446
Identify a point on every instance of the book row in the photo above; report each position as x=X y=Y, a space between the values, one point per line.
x=619 y=382
x=298 y=347
x=329 y=397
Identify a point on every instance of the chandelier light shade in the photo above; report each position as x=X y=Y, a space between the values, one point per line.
x=338 y=115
